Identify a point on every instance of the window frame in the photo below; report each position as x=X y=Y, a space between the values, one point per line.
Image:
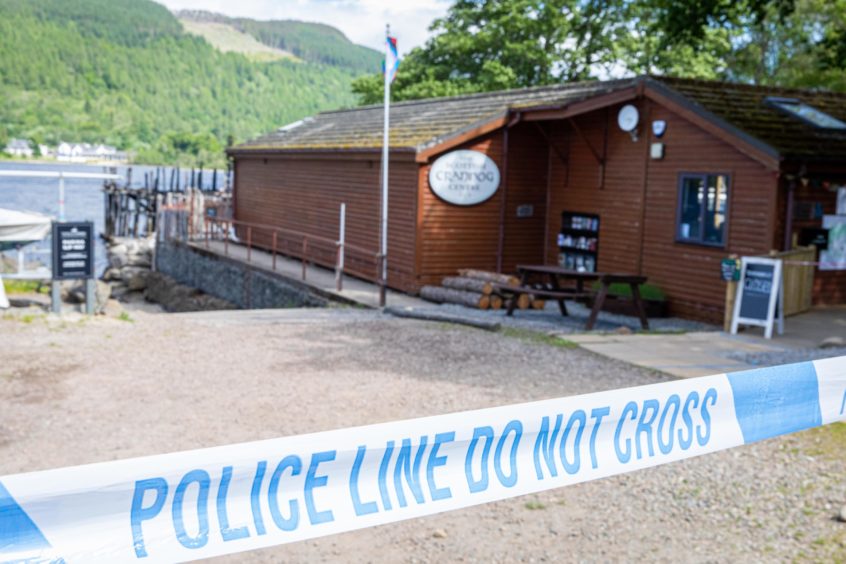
x=699 y=241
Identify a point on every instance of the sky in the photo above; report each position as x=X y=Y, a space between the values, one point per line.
x=363 y=21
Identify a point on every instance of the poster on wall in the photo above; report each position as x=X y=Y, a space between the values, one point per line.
x=834 y=257
x=464 y=178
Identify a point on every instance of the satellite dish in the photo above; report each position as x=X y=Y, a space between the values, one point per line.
x=627 y=118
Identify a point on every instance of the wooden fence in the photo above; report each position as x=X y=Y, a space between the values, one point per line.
x=798 y=278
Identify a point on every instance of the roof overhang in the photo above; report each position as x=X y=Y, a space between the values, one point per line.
x=330 y=152
x=645 y=87
x=476 y=130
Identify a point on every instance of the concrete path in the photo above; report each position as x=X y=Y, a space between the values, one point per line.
x=699 y=354
x=354 y=290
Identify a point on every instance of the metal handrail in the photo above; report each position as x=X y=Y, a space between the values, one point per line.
x=225 y=227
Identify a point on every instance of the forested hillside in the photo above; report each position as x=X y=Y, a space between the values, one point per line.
x=312 y=42
x=124 y=72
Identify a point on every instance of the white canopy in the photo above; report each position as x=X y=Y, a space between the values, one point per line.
x=20 y=228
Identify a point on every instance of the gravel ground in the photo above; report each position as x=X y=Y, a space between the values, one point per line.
x=74 y=391
x=550 y=319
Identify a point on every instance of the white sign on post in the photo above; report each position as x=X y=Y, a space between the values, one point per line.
x=464 y=178
x=760 y=295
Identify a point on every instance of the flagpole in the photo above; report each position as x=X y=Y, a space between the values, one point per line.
x=385 y=153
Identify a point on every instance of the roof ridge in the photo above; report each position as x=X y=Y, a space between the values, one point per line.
x=490 y=94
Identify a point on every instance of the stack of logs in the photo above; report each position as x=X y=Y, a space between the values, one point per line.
x=477 y=289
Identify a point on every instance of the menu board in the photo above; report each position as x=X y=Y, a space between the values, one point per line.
x=73 y=250
x=760 y=295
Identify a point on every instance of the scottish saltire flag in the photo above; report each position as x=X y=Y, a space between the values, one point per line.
x=391 y=63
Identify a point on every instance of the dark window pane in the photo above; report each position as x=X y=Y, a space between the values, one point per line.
x=692 y=196
x=716 y=201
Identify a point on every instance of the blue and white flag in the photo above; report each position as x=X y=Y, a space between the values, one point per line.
x=202 y=503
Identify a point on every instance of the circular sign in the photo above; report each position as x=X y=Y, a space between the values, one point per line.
x=464 y=178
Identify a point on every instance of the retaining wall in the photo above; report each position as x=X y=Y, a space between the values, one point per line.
x=242 y=284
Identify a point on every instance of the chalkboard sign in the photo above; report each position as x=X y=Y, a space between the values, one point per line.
x=73 y=250
x=759 y=295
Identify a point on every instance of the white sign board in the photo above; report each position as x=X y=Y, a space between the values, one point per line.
x=464 y=178
x=760 y=295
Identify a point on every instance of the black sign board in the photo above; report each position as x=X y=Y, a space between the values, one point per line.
x=760 y=295
x=814 y=236
x=756 y=290
x=73 y=250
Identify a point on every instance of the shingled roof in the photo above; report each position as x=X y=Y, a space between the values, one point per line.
x=742 y=110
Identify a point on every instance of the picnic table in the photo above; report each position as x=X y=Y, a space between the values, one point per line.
x=551 y=287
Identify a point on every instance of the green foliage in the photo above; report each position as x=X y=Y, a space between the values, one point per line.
x=497 y=44
x=485 y=45
x=647 y=291
x=122 y=72
x=25 y=287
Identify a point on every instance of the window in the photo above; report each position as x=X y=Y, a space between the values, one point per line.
x=806 y=113
x=703 y=209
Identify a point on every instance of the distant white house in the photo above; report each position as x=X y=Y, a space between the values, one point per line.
x=19 y=148
x=85 y=152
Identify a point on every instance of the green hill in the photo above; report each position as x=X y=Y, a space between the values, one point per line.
x=125 y=72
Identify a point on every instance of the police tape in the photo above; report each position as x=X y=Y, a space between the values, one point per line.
x=202 y=503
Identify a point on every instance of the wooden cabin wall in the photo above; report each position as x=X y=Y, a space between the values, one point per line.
x=688 y=273
x=455 y=237
x=528 y=159
x=637 y=203
x=304 y=193
x=616 y=196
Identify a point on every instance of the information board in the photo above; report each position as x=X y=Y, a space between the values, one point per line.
x=760 y=294
x=73 y=250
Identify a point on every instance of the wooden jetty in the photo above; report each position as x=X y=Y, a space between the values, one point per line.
x=132 y=210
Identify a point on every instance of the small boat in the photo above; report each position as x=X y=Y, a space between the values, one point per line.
x=16 y=230
x=22 y=228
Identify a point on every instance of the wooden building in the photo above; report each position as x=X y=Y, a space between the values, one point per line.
x=710 y=169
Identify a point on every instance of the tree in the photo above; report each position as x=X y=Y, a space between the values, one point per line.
x=483 y=45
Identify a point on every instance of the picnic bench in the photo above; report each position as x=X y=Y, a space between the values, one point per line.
x=550 y=287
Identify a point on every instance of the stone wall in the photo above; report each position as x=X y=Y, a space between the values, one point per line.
x=236 y=282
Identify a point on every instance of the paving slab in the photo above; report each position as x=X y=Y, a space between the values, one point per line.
x=701 y=353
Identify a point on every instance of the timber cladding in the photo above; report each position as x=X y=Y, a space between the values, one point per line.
x=558 y=149
x=303 y=193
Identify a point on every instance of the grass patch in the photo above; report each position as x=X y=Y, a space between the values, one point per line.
x=647 y=291
x=534 y=505
x=124 y=316
x=26 y=287
x=827 y=441
x=538 y=338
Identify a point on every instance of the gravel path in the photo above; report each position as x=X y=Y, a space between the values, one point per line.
x=74 y=391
